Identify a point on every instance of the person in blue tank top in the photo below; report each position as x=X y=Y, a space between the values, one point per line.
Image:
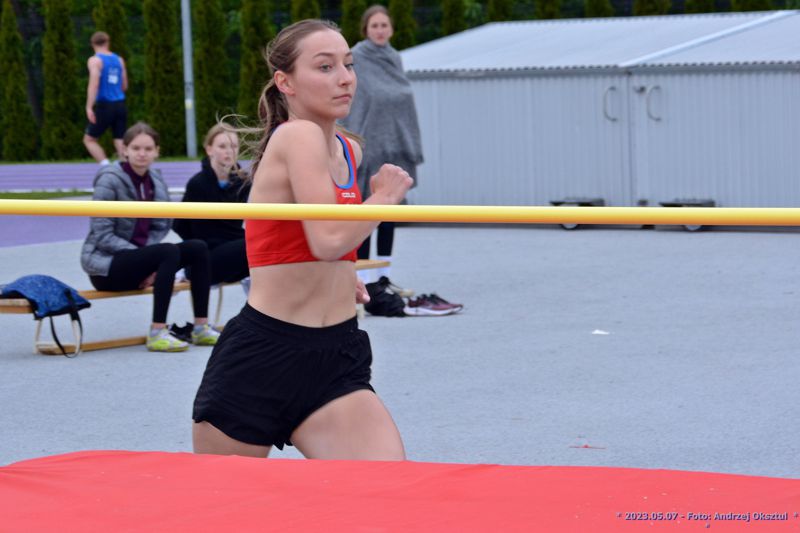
x=105 y=98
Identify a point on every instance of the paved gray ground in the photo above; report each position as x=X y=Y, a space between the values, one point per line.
x=699 y=370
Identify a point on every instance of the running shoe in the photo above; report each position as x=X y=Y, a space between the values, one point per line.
x=164 y=341
x=441 y=301
x=183 y=333
x=425 y=306
x=205 y=336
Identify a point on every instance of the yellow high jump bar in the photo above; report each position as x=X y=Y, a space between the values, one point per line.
x=703 y=216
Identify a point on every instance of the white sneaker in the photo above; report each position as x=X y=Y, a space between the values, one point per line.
x=205 y=336
x=164 y=341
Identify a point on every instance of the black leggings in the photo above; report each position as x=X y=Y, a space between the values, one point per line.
x=228 y=262
x=385 y=241
x=130 y=267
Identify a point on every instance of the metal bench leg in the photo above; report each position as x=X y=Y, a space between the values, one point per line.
x=37 y=335
x=76 y=330
x=219 y=306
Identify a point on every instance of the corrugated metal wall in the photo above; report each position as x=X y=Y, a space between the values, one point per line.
x=522 y=140
x=732 y=137
x=527 y=140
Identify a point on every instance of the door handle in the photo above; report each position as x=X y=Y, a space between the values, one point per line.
x=647 y=96
x=605 y=103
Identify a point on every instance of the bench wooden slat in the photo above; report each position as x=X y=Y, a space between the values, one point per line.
x=99 y=295
x=21 y=306
x=366 y=264
x=15 y=306
x=52 y=349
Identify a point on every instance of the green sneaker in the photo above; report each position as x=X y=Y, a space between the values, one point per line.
x=205 y=336
x=164 y=341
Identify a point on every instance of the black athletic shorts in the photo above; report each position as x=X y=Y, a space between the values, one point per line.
x=266 y=376
x=112 y=115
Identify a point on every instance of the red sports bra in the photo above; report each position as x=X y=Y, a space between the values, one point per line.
x=277 y=242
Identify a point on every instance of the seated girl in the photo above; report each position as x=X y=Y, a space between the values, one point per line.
x=220 y=180
x=123 y=254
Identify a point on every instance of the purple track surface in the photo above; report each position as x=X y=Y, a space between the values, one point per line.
x=67 y=176
x=20 y=230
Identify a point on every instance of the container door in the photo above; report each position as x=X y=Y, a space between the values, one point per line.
x=578 y=130
x=729 y=137
x=523 y=140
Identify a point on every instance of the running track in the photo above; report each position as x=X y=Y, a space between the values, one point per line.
x=67 y=176
x=21 y=230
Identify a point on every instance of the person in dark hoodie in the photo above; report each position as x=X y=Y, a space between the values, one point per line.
x=220 y=180
x=123 y=254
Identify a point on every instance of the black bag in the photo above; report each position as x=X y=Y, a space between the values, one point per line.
x=382 y=301
x=50 y=297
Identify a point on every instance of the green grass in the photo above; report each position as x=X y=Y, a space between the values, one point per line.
x=41 y=195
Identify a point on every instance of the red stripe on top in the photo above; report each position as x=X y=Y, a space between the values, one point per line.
x=278 y=242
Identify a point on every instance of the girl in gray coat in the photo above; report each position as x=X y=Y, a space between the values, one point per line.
x=123 y=254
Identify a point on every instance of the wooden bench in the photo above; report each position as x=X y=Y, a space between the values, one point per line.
x=22 y=306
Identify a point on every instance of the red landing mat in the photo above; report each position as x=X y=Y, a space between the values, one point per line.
x=153 y=491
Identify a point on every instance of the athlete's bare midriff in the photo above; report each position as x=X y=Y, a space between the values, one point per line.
x=314 y=294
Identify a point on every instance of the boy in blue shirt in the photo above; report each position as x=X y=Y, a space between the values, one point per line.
x=105 y=98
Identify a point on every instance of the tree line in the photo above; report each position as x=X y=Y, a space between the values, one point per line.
x=44 y=45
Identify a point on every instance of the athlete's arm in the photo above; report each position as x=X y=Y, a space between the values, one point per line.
x=305 y=152
x=124 y=76
x=362 y=296
x=95 y=65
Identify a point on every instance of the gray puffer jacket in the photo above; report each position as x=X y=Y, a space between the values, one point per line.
x=110 y=235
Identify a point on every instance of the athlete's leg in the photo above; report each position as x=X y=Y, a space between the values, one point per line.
x=119 y=123
x=208 y=439
x=94 y=148
x=356 y=426
x=194 y=254
x=119 y=146
x=385 y=239
x=363 y=250
x=367 y=276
